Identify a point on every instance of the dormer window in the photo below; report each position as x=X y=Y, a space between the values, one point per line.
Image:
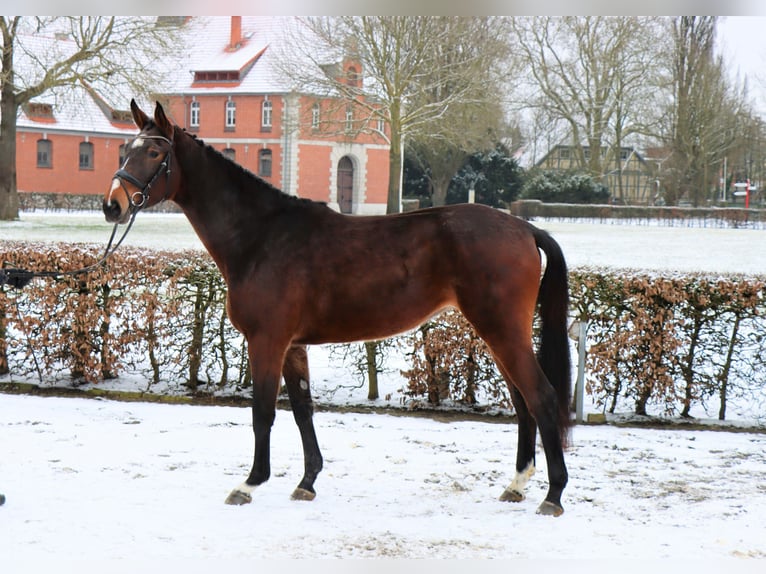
x=352 y=77
x=38 y=110
x=217 y=76
x=122 y=116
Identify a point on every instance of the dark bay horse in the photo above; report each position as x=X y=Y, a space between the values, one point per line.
x=299 y=273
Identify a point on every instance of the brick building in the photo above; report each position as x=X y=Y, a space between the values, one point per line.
x=229 y=93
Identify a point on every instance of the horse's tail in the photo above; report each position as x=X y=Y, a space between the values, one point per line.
x=553 y=354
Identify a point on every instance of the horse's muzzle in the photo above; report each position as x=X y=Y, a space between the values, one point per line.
x=114 y=213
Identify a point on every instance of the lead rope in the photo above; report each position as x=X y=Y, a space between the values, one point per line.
x=17 y=277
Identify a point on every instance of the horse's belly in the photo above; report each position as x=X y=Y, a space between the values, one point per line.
x=370 y=319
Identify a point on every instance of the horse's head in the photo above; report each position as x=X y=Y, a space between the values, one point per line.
x=144 y=179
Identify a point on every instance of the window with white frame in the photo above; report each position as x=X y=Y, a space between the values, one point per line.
x=231 y=115
x=349 y=119
x=315 y=117
x=194 y=114
x=266 y=110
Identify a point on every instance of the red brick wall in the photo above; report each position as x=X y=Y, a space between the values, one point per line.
x=213 y=115
x=212 y=125
x=314 y=172
x=65 y=175
x=377 y=175
x=332 y=122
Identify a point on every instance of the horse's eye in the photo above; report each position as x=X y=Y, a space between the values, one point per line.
x=154 y=154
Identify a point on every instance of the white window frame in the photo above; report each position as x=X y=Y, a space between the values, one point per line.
x=267 y=109
x=194 y=114
x=231 y=114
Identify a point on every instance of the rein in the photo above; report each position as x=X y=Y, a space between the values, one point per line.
x=19 y=278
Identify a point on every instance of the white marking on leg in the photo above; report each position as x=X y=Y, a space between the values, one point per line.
x=515 y=491
x=246 y=488
x=521 y=479
x=304 y=384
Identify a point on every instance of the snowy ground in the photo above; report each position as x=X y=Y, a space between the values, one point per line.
x=118 y=481
x=107 y=480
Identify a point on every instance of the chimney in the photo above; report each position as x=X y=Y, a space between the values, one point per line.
x=236 y=32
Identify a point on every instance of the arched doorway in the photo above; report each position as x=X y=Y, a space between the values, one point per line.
x=345 y=184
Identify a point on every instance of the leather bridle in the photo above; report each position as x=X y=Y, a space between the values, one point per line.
x=138 y=199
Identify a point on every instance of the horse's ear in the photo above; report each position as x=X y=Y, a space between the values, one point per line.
x=138 y=115
x=163 y=122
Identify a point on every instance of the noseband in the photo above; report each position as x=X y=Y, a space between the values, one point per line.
x=139 y=198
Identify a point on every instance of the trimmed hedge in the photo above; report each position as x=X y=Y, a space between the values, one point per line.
x=160 y=315
x=682 y=216
x=654 y=342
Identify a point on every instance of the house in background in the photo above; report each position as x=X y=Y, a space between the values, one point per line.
x=229 y=93
x=631 y=180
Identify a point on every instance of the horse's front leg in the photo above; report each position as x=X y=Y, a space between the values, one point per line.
x=296 y=374
x=266 y=362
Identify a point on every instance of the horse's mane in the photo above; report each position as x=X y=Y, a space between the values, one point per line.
x=248 y=177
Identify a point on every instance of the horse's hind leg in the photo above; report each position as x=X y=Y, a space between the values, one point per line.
x=525 y=454
x=540 y=398
x=522 y=371
x=296 y=374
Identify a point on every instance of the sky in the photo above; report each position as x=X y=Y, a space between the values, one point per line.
x=742 y=40
x=409 y=7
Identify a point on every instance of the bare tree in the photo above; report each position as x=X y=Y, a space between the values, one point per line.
x=592 y=73
x=707 y=112
x=474 y=63
x=416 y=76
x=42 y=55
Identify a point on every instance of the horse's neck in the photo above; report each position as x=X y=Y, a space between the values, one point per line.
x=214 y=205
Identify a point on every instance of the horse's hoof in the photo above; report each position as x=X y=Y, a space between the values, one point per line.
x=510 y=495
x=238 y=498
x=303 y=494
x=548 y=508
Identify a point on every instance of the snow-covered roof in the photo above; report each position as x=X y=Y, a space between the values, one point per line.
x=209 y=64
x=80 y=107
x=74 y=110
x=252 y=59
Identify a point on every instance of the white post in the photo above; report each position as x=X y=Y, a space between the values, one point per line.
x=580 y=384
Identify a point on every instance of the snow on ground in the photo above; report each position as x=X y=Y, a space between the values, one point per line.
x=100 y=480
x=117 y=480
